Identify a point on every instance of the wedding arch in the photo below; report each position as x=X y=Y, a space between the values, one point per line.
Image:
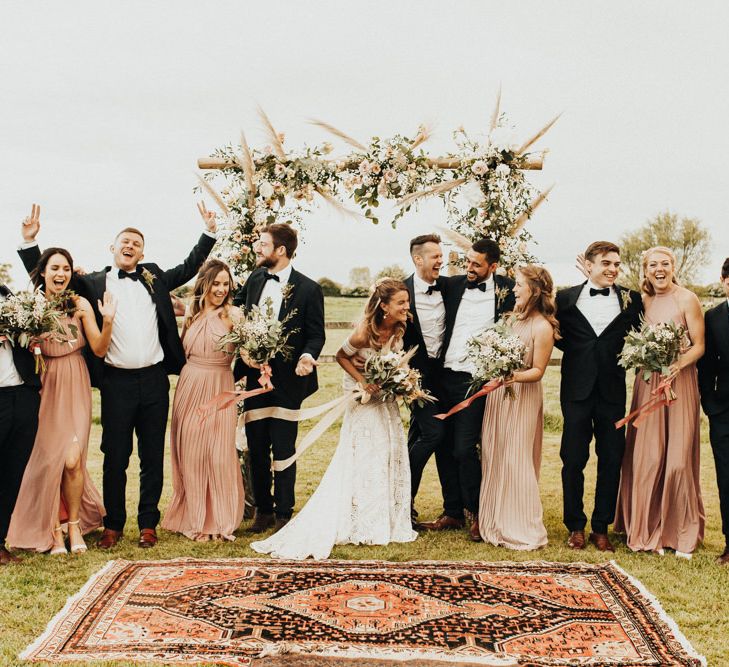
x=481 y=183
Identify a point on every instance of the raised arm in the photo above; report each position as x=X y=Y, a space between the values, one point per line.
x=98 y=340
x=180 y=274
x=29 y=229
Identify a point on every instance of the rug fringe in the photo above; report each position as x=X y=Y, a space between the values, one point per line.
x=662 y=615
x=51 y=627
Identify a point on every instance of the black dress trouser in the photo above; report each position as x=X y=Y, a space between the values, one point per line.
x=719 y=436
x=133 y=401
x=460 y=472
x=18 y=425
x=593 y=416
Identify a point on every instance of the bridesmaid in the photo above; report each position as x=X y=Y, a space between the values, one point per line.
x=208 y=498
x=660 y=504
x=56 y=486
x=510 y=511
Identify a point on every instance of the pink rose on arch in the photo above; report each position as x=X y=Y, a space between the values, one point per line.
x=479 y=167
x=390 y=175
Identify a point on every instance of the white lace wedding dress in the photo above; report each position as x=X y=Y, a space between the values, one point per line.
x=364 y=495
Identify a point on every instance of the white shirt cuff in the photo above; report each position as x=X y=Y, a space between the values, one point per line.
x=29 y=244
x=306 y=355
x=212 y=235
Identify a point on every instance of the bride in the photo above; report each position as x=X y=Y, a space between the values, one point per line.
x=364 y=495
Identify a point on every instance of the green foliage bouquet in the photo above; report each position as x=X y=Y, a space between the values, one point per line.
x=390 y=371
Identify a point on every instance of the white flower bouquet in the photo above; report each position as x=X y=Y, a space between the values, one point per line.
x=28 y=316
x=391 y=372
x=496 y=353
x=653 y=349
x=259 y=335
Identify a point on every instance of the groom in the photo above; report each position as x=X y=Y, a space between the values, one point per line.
x=145 y=347
x=19 y=403
x=594 y=318
x=291 y=293
x=475 y=302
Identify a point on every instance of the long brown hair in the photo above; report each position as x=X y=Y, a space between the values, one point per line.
x=66 y=302
x=541 y=300
x=382 y=292
x=203 y=284
x=646 y=286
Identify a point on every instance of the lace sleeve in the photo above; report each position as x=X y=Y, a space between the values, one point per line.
x=348 y=348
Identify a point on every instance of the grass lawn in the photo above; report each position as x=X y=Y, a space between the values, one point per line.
x=695 y=593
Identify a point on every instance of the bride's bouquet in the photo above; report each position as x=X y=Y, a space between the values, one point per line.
x=495 y=353
x=28 y=316
x=653 y=349
x=259 y=336
x=391 y=372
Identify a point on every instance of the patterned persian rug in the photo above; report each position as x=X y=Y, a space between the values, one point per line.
x=234 y=612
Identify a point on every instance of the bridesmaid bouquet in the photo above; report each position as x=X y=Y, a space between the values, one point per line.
x=653 y=349
x=496 y=354
x=259 y=336
x=390 y=371
x=27 y=316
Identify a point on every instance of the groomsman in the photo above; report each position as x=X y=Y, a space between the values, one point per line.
x=475 y=302
x=293 y=293
x=714 y=387
x=19 y=403
x=426 y=329
x=145 y=347
x=594 y=318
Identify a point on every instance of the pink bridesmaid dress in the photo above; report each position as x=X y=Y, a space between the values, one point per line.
x=208 y=496
x=660 y=504
x=510 y=509
x=64 y=418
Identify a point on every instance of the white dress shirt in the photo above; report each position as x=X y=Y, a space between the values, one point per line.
x=9 y=376
x=273 y=289
x=135 y=334
x=598 y=310
x=431 y=316
x=475 y=314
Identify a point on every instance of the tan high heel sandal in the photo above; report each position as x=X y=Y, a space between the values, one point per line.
x=58 y=550
x=77 y=548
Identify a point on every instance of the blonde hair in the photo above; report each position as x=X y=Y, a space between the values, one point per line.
x=646 y=286
x=205 y=277
x=381 y=292
x=541 y=300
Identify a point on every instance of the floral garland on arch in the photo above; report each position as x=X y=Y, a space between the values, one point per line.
x=486 y=193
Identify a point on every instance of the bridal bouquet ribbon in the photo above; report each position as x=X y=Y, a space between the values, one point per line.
x=226 y=398
x=653 y=349
x=28 y=316
x=495 y=354
x=387 y=368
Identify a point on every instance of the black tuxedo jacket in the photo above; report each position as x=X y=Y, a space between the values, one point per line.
x=714 y=365
x=456 y=289
x=307 y=299
x=93 y=285
x=22 y=358
x=414 y=334
x=589 y=358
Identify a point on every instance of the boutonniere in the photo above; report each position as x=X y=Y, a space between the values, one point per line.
x=149 y=278
x=501 y=294
x=625 y=298
x=286 y=292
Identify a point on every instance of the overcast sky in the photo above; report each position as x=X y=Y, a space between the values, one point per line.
x=107 y=106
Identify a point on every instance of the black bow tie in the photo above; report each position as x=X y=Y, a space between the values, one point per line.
x=481 y=286
x=432 y=288
x=133 y=276
x=605 y=291
x=272 y=276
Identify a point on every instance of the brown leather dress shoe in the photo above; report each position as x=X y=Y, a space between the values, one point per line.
x=576 y=540
x=6 y=558
x=281 y=521
x=724 y=558
x=261 y=523
x=474 y=533
x=109 y=538
x=602 y=542
x=444 y=522
x=147 y=538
